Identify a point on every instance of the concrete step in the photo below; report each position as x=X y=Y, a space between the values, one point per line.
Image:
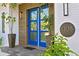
x=3 y=54
x=21 y=51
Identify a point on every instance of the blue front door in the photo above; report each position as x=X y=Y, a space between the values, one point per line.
x=37 y=26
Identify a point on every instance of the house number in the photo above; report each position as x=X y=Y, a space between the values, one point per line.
x=67 y=29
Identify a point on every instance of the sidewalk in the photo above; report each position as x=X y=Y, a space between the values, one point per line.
x=3 y=54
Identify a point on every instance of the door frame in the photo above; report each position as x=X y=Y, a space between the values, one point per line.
x=23 y=40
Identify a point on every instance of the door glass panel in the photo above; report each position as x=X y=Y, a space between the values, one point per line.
x=44 y=25
x=43 y=36
x=33 y=35
x=44 y=13
x=44 y=19
x=33 y=26
x=34 y=15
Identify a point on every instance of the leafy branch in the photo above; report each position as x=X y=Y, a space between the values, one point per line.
x=59 y=48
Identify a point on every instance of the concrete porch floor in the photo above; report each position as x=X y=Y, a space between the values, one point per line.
x=21 y=51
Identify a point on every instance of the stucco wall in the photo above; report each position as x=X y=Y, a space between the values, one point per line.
x=15 y=30
x=4 y=35
x=73 y=17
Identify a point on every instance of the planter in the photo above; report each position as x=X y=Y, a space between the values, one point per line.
x=11 y=39
x=48 y=40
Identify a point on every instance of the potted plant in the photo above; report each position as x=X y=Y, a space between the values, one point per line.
x=10 y=20
x=11 y=36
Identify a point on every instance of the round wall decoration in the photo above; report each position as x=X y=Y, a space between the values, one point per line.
x=67 y=29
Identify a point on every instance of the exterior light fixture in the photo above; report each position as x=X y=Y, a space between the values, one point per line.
x=65 y=9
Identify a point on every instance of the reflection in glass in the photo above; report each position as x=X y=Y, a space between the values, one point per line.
x=44 y=25
x=44 y=13
x=34 y=15
x=33 y=35
x=44 y=19
x=33 y=26
x=43 y=36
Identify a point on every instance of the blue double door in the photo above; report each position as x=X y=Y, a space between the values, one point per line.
x=37 y=26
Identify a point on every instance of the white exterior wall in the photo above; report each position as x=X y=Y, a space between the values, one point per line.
x=73 y=17
x=15 y=30
x=4 y=35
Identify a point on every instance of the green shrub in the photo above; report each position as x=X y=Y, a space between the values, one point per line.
x=59 y=47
